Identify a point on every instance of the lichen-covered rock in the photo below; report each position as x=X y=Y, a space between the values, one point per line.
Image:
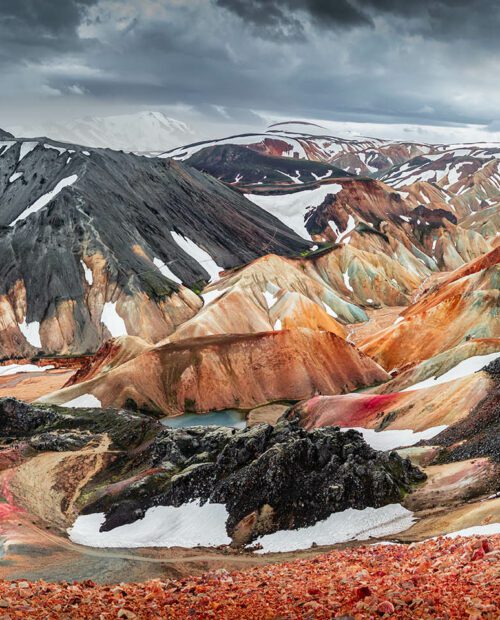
x=45 y=426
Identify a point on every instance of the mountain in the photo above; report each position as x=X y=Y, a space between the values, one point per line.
x=143 y=131
x=371 y=216
x=305 y=141
x=228 y=371
x=456 y=307
x=5 y=135
x=468 y=173
x=248 y=168
x=97 y=243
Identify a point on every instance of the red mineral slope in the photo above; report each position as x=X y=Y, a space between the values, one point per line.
x=232 y=371
x=457 y=307
x=418 y=410
x=442 y=578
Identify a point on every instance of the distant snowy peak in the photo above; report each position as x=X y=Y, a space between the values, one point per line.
x=144 y=131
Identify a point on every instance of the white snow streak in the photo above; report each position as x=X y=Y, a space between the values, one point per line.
x=112 y=320
x=199 y=254
x=165 y=270
x=46 y=198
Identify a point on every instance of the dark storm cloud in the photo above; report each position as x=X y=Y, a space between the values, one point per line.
x=282 y=17
x=31 y=29
x=470 y=19
x=368 y=60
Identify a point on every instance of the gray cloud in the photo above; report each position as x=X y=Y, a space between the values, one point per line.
x=363 y=60
x=283 y=17
x=32 y=29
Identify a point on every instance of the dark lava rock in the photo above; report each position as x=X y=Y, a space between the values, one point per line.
x=19 y=420
x=478 y=435
x=268 y=478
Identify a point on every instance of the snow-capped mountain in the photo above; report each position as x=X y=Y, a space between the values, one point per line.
x=92 y=239
x=144 y=131
x=306 y=141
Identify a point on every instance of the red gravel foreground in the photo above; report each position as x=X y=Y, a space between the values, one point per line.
x=441 y=578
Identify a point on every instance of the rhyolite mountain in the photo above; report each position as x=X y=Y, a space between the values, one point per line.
x=467 y=174
x=230 y=371
x=96 y=243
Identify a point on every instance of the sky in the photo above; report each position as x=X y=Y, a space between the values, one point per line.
x=420 y=70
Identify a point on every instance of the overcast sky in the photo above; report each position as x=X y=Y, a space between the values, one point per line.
x=399 y=65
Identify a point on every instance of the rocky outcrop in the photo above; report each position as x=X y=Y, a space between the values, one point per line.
x=230 y=372
x=58 y=428
x=268 y=478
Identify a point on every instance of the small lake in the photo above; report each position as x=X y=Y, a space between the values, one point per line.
x=229 y=417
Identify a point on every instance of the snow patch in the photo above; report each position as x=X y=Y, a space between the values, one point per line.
x=292 y=208
x=14 y=369
x=350 y=524
x=15 y=176
x=59 y=149
x=112 y=320
x=392 y=439
x=351 y=225
x=199 y=255
x=188 y=526
x=88 y=273
x=347 y=282
x=210 y=296
x=329 y=311
x=165 y=270
x=462 y=369
x=270 y=299
x=31 y=331
x=26 y=147
x=83 y=401
x=477 y=530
